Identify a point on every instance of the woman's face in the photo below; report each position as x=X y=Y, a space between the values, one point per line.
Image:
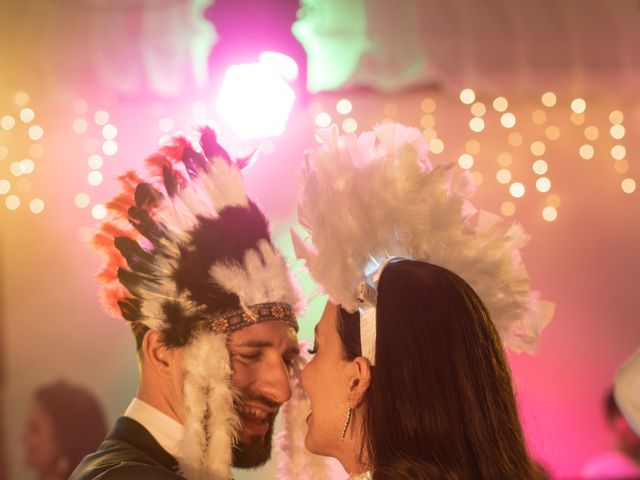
x=39 y=441
x=325 y=380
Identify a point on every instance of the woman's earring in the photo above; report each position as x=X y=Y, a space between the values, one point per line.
x=347 y=421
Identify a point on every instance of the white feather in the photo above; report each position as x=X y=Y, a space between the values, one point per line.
x=376 y=195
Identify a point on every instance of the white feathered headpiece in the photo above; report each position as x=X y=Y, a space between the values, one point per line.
x=370 y=198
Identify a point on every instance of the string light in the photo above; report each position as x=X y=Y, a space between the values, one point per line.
x=109 y=131
x=586 y=151
x=478 y=109
x=500 y=104
x=465 y=161
x=618 y=152
x=549 y=99
x=543 y=184
x=517 y=190
x=550 y=214
x=578 y=105
x=552 y=132
x=591 y=133
x=7 y=122
x=98 y=211
x=616 y=117
x=344 y=106
x=476 y=124
x=27 y=115
x=81 y=200
x=540 y=167
x=507 y=209
x=36 y=205
x=508 y=120
x=628 y=185
x=323 y=120
x=428 y=105
x=12 y=202
x=436 y=146
x=467 y=96
x=617 y=131
x=349 y=125
x=503 y=176
x=537 y=148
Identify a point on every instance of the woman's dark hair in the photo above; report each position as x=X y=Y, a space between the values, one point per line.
x=77 y=418
x=441 y=403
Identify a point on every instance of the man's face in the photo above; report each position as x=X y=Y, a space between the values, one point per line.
x=261 y=358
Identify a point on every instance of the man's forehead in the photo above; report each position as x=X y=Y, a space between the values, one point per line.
x=271 y=333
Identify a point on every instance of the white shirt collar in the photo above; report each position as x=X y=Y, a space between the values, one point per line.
x=164 y=429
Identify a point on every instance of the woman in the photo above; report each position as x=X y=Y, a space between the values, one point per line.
x=65 y=423
x=409 y=379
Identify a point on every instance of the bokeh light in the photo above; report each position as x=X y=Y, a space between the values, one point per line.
x=616 y=117
x=465 y=161
x=539 y=117
x=98 y=211
x=95 y=161
x=537 y=148
x=36 y=205
x=80 y=125
x=81 y=200
x=344 y=106
x=500 y=104
x=5 y=186
x=586 y=151
x=428 y=105
x=476 y=124
x=472 y=147
x=436 y=146
x=505 y=159
x=36 y=132
x=12 y=202
x=549 y=99
x=618 y=152
x=507 y=209
x=517 y=190
x=478 y=109
x=109 y=131
x=94 y=178
x=503 y=176
x=467 y=96
x=540 y=166
x=27 y=115
x=110 y=148
x=591 y=133
x=628 y=185
x=549 y=213
x=323 y=120
x=552 y=132
x=543 y=184
x=617 y=131
x=349 y=125
x=101 y=117
x=508 y=120
x=7 y=122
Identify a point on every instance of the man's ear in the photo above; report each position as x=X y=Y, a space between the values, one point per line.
x=157 y=355
x=360 y=381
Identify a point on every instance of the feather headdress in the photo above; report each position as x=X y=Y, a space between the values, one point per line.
x=187 y=253
x=376 y=196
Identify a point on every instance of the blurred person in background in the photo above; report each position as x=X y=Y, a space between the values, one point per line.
x=622 y=461
x=65 y=422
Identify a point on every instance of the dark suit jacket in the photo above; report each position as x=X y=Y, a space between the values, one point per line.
x=129 y=452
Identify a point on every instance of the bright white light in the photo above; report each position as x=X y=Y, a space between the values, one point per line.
x=286 y=66
x=628 y=185
x=36 y=205
x=465 y=161
x=4 y=152
x=540 y=167
x=27 y=115
x=27 y=166
x=110 y=148
x=549 y=213
x=517 y=190
x=16 y=169
x=349 y=125
x=99 y=211
x=467 y=96
x=508 y=120
x=255 y=100
x=543 y=184
x=344 y=106
x=5 y=186
x=12 y=202
x=323 y=120
x=476 y=124
x=7 y=122
x=109 y=131
x=36 y=132
x=95 y=161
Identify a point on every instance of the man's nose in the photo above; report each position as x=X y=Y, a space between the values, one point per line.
x=275 y=384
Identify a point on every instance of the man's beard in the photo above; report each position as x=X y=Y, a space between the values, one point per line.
x=256 y=451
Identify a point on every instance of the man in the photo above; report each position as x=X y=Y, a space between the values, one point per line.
x=191 y=266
